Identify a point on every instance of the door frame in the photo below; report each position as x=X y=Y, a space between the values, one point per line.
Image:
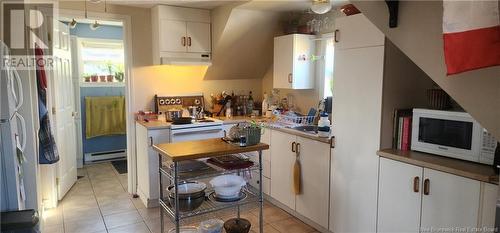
x=129 y=99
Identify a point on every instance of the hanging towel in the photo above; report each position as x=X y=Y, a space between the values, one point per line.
x=48 y=153
x=104 y=116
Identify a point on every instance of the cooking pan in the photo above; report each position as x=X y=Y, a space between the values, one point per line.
x=182 y=120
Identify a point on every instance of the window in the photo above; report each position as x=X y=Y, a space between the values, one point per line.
x=328 y=67
x=102 y=57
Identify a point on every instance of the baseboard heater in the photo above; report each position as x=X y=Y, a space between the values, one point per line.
x=104 y=156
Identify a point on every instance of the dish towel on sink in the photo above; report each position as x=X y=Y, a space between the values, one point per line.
x=297 y=185
x=105 y=115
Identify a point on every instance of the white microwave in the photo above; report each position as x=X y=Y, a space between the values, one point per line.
x=451 y=134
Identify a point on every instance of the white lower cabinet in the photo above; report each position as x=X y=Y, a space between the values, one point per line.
x=451 y=202
x=314 y=158
x=147 y=163
x=398 y=202
x=416 y=199
x=312 y=202
x=282 y=161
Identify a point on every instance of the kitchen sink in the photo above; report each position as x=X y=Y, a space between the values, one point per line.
x=311 y=129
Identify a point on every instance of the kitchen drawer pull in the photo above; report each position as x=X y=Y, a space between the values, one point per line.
x=427 y=186
x=335 y=33
x=183 y=41
x=293 y=146
x=416 y=184
x=290 y=78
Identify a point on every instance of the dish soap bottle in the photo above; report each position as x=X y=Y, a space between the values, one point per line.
x=324 y=125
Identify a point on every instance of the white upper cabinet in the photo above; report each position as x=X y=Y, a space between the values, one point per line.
x=172 y=36
x=293 y=67
x=180 y=35
x=198 y=37
x=356 y=31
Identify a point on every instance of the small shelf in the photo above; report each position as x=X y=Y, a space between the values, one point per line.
x=212 y=171
x=102 y=84
x=209 y=205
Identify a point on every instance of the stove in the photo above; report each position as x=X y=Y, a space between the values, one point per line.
x=198 y=129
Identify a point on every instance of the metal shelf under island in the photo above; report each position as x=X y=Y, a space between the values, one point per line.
x=184 y=162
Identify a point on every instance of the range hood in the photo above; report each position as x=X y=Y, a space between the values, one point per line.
x=201 y=59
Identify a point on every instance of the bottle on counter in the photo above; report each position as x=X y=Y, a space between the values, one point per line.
x=324 y=125
x=265 y=104
x=250 y=103
x=229 y=110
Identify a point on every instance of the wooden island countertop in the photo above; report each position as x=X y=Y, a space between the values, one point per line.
x=180 y=151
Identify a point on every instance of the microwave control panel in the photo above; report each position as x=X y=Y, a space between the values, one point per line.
x=488 y=146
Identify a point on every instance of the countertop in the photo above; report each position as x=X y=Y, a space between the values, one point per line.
x=208 y=148
x=155 y=124
x=457 y=167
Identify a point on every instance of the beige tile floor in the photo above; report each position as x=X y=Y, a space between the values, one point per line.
x=99 y=203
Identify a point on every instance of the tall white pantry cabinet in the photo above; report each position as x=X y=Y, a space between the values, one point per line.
x=359 y=71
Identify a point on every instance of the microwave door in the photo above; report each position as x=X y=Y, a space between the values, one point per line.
x=446 y=133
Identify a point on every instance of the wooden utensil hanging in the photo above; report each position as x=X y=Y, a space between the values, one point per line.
x=297 y=176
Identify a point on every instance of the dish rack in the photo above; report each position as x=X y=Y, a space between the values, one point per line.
x=170 y=175
x=290 y=121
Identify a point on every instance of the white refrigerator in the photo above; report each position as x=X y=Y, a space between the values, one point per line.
x=12 y=137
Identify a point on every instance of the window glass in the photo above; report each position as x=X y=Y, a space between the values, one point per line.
x=328 y=72
x=102 y=58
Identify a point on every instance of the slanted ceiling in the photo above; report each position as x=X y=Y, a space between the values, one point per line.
x=242 y=42
x=419 y=36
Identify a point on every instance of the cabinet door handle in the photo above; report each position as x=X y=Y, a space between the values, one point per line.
x=297 y=149
x=150 y=141
x=183 y=41
x=290 y=78
x=427 y=186
x=416 y=184
x=189 y=41
x=335 y=35
x=293 y=146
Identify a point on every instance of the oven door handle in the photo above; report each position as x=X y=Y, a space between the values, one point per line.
x=197 y=132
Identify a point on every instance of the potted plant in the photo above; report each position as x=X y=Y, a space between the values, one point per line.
x=119 y=74
x=102 y=78
x=110 y=68
x=94 y=78
x=86 y=77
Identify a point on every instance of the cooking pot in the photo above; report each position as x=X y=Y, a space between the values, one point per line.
x=173 y=114
x=237 y=225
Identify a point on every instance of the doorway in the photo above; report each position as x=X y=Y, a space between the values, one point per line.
x=112 y=75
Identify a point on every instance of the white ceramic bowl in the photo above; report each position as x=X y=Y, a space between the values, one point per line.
x=227 y=186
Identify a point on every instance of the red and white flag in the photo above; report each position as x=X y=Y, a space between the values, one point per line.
x=471 y=32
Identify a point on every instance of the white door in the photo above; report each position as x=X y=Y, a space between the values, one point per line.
x=451 y=201
x=61 y=92
x=283 y=62
x=172 y=36
x=356 y=31
x=282 y=161
x=400 y=197
x=356 y=124
x=315 y=170
x=198 y=37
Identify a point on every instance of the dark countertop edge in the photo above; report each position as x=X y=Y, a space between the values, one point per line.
x=444 y=164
